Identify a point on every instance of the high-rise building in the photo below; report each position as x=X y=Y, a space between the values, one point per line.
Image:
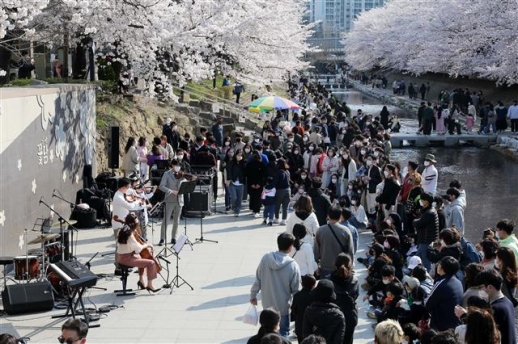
x=336 y=17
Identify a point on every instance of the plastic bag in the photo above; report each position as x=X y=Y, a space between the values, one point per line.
x=251 y=316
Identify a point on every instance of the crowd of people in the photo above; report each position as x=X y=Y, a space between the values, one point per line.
x=326 y=174
x=426 y=282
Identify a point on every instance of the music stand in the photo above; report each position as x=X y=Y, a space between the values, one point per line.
x=201 y=239
x=177 y=248
x=187 y=187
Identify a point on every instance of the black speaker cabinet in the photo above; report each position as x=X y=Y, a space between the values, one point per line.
x=113 y=148
x=28 y=298
x=200 y=202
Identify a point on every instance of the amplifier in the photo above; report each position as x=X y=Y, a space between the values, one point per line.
x=200 y=201
x=28 y=298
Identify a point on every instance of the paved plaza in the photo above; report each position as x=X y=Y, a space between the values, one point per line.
x=220 y=273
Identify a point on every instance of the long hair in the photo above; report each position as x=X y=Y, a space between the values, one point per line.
x=507 y=265
x=299 y=232
x=304 y=204
x=343 y=265
x=131 y=142
x=481 y=327
x=130 y=224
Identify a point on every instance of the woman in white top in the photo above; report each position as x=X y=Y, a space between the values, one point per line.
x=302 y=252
x=359 y=220
x=142 y=156
x=128 y=253
x=305 y=215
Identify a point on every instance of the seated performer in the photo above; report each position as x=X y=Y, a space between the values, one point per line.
x=128 y=253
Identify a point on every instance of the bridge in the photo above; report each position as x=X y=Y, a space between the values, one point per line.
x=405 y=140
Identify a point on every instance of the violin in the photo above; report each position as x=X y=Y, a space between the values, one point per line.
x=180 y=174
x=145 y=253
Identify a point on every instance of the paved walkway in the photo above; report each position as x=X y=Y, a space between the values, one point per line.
x=221 y=275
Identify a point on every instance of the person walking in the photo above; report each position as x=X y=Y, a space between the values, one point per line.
x=512 y=114
x=277 y=278
x=130 y=160
x=281 y=181
x=236 y=180
x=428 y=118
x=429 y=176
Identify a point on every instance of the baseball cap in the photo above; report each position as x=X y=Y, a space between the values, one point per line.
x=413 y=262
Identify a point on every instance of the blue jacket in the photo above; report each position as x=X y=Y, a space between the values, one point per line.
x=445 y=295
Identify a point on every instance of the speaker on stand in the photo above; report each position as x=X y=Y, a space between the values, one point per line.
x=113 y=148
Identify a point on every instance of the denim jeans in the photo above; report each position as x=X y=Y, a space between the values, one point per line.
x=236 y=193
x=282 y=199
x=228 y=200
x=492 y=125
x=422 y=252
x=285 y=326
x=268 y=213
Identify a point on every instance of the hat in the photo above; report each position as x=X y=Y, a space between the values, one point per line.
x=168 y=121
x=324 y=291
x=411 y=281
x=430 y=157
x=414 y=261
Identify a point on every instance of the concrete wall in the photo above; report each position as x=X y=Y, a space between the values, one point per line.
x=47 y=135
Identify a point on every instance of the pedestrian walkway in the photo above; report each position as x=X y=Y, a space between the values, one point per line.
x=221 y=275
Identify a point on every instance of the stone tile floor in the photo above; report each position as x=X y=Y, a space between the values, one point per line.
x=220 y=273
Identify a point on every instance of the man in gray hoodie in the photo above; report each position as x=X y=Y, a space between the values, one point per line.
x=278 y=278
x=455 y=210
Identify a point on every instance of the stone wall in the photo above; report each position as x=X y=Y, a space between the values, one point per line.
x=47 y=136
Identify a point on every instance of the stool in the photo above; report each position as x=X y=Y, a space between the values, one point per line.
x=125 y=270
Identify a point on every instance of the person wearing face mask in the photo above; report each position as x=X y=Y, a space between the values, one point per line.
x=359 y=220
x=256 y=141
x=223 y=169
x=430 y=174
x=170 y=185
x=170 y=130
x=315 y=164
x=506 y=265
x=355 y=147
x=372 y=179
x=390 y=191
x=315 y=137
x=330 y=166
x=502 y=307
x=445 y=296
x=454 y=210
x=236 y=178
x=308 y=153
x=448 y=245
x=427 y=228
x=255 y=173
x=348 y=172
x=142 y=155
x=217 y=131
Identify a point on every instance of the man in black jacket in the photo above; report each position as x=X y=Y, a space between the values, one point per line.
x=390 y=191
x=321 y=201
x=372 y=179
x=427 y=228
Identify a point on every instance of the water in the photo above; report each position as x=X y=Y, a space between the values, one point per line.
x=487 y=176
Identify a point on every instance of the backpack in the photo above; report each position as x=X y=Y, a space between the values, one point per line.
x=470 y=253
x=320 y=162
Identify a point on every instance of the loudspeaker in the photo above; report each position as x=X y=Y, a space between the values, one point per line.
x=199 y=201
x=113 y=149
x=28 y=298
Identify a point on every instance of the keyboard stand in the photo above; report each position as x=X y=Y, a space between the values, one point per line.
x=72 y=306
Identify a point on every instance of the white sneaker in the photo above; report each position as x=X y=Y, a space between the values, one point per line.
x=283 y=222
x=276 y=221
x=256 y=215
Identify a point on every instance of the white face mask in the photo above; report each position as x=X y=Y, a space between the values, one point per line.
x=177 y=168
x=305 y=138
x=363 y=152
x=443 y=244
x=256 y=140
x=247 y=150
x=386 y=173
x=369 y=162
x=350 y=187
x=427 y=163
x=346 y=156
x=180 y=157
x=290 y=140
x=227 y=143
x=388 y=221
x=175 y=127
x=353 y=202
x=386 y=281
x=421 y=203
x=376 y=153
x=301 y=191
x=303 y=176
x=386 y=245
x=311 y=148
x=357 y=144
x=334 y=180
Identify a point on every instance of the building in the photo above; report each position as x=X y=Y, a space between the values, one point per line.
x=336 y=17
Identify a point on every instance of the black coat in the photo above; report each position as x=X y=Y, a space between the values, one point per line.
x=447 y=293
x=427 y=226
x=236 y=171
x=375 y=174
x=255 y=173
x=301 y=301
x=321 y=204
x=454 y=251
x=326 y=320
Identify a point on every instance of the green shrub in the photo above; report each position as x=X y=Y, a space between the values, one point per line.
x=20 y=82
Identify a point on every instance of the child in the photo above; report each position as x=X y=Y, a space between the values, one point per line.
x=301 y=191
x=301 y=300
x=394 y=296
x=470 y=121
x=268 y=198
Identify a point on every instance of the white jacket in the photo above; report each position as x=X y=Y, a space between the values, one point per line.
x=311 y=223
x=429 y=179
x=305 y=258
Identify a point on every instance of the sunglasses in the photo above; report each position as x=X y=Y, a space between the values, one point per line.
x=62 y=340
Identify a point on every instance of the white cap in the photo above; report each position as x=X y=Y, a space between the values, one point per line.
x=411 y=281
x=168 y=121
x=413 y=262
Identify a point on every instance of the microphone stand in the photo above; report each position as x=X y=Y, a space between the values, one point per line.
x=61 y=230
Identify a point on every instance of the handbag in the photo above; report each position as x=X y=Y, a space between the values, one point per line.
x=251 y=316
